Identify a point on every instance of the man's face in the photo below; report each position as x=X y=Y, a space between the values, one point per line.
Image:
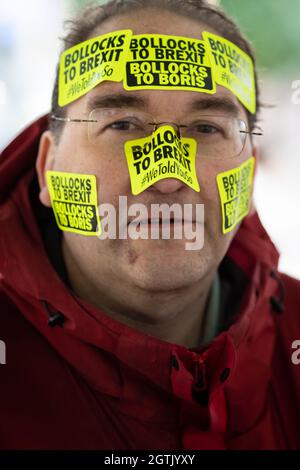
x=152 y=265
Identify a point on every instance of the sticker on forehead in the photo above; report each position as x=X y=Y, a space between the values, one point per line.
x=74 y=202
x=159 y=61
x=232 y=68
x=235 y=189
x=161 y=155
x=89 y=63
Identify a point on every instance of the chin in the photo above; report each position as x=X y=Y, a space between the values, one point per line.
x=161 y=270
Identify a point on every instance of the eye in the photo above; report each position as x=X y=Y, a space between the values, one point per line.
x=204 y=128
x=122 y=125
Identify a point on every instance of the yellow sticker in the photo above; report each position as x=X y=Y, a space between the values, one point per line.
x=74 y=202
x=235 y=189
x=232 y=68
x=161 y=155
x=89 y=63
x=159 y=61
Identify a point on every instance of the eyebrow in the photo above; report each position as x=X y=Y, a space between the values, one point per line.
x=125 y=100
x=216 y=103
x=115 y=100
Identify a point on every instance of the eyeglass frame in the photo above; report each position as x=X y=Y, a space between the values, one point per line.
x=155 y=124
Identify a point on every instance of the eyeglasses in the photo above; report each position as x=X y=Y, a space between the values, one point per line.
x=217 y=136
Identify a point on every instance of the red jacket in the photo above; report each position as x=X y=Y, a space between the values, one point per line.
x=89 y=382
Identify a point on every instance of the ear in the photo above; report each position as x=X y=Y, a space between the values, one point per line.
x=45 y=162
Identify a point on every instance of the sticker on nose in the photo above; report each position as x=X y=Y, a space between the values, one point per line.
x=74 y=202
x=235 y=189
x=161 y=155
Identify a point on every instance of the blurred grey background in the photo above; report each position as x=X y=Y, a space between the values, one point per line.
x=29 y=51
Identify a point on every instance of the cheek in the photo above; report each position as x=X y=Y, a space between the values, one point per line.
x=207 y=171
x=112 y=175
x=76 y=155
x=72 y=150
x=209 y=196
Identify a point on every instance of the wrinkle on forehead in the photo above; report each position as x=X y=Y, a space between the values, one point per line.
x=155 y=21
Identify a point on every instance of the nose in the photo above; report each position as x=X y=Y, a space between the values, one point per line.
x=167 y=185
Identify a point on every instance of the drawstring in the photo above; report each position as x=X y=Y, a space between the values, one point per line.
x=199 y=382
x=199 y=387
x=278 y=303
x=55 y=318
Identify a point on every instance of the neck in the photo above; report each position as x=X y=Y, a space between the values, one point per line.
x=175 y=316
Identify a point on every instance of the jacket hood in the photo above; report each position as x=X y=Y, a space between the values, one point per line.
x=91 y=341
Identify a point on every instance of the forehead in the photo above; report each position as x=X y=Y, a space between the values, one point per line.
x=154 y=21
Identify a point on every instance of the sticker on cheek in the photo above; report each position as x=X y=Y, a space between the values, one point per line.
x=161 y=155
x=74 y=202
x=235 y=190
